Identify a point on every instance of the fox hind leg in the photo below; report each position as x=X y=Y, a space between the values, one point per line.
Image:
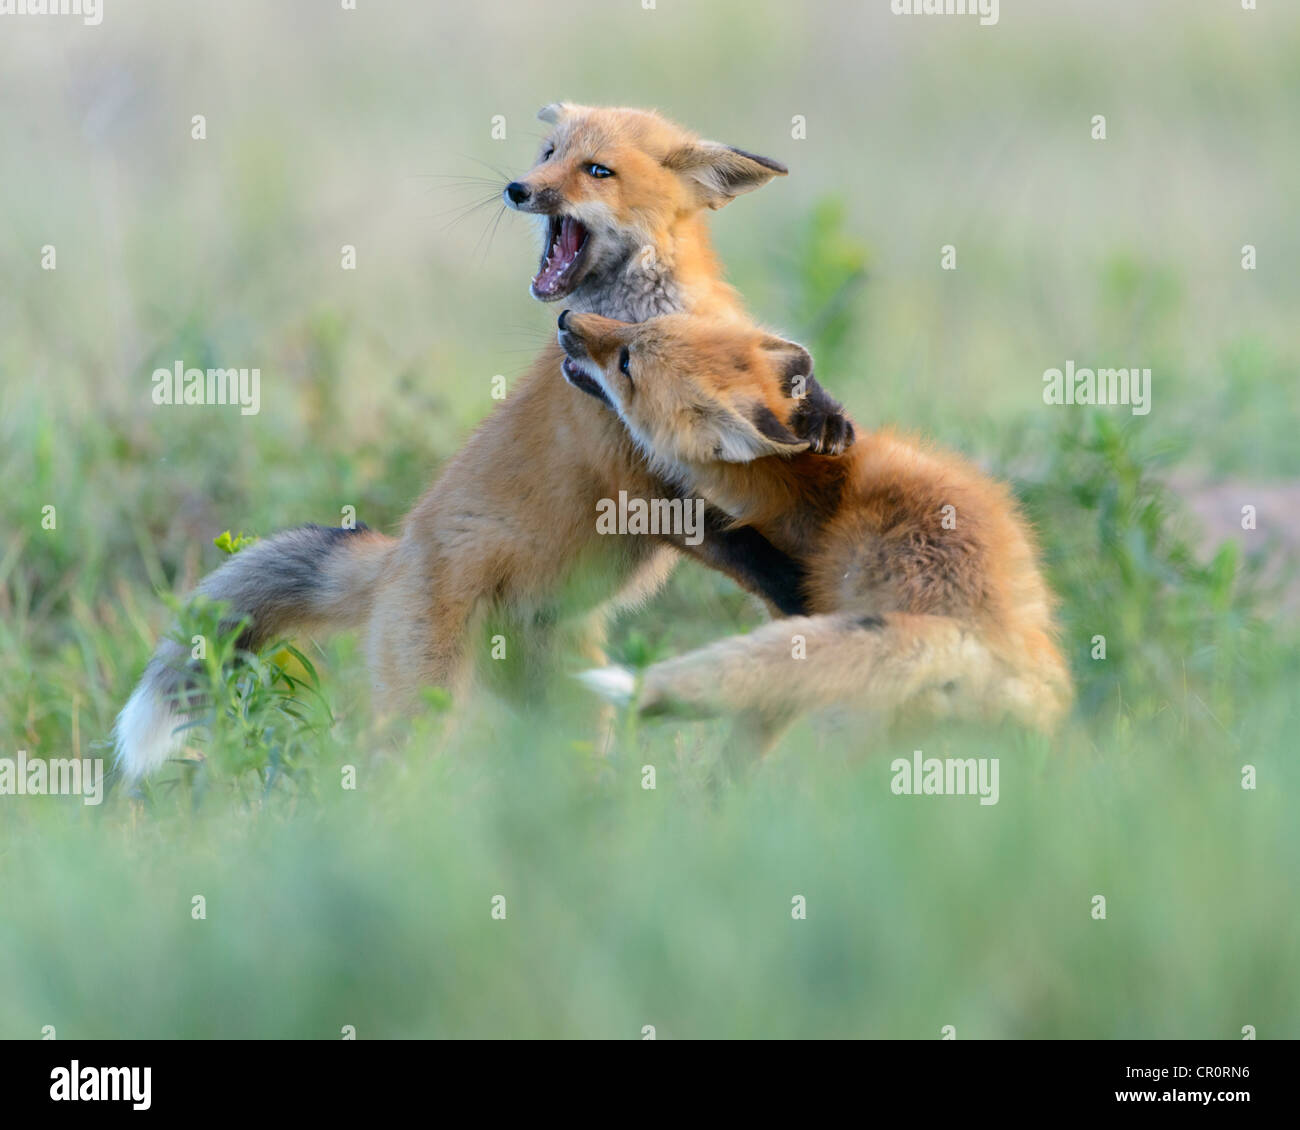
x=882 y=662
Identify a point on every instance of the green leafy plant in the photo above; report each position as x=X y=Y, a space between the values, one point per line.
x=1180 y=625
x=262 y=717
x=830 y=271
x=233 y=545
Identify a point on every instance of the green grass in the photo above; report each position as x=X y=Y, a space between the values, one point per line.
x=372 y=906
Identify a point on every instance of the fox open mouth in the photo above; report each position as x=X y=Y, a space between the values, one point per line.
x=566 y=245
x=577 y=376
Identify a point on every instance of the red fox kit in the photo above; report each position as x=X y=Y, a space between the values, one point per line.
x=923 y=585
x=505 y=541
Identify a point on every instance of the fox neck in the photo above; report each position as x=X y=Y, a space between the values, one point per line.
x=789 y=501
x=677 y=272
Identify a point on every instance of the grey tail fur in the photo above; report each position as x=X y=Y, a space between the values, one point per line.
x=313 y=578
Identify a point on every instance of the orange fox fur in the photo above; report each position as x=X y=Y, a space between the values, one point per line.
x=922 y=577
x=505 y=541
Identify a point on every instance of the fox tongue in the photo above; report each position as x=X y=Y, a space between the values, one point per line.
x=559 y=258
x=568 y=241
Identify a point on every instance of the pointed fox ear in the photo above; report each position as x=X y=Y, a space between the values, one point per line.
x=818 y=418
x=792 y=362
x=753 y=432
x=554 y=113
x=721 y=173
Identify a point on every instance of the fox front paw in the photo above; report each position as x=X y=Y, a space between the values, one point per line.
x=820 y=421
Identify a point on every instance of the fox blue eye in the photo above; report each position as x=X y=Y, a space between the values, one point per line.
x=625 y=362
x=599 y=171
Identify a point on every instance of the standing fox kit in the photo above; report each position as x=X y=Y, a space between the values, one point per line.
x=505 y=541
x=923 y=586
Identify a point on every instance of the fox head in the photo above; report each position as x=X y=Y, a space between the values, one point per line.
x=694 y=390
x=612 y=185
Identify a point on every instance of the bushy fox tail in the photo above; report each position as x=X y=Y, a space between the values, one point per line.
x=894 y=663
x=313 y=578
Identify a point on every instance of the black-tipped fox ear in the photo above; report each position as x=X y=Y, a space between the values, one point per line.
x=753 y=432
x=554 y=113
x=720 y=173
x=818 y=417
x=792 y=362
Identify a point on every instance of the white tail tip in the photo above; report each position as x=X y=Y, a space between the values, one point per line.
x=143 y=734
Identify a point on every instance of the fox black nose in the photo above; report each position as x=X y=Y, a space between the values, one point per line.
x=517 y=192
x=563 y=320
